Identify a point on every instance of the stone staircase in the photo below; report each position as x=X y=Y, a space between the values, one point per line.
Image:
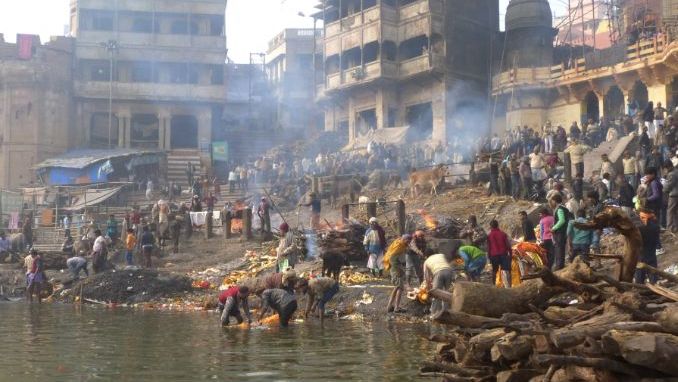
x=177 y=162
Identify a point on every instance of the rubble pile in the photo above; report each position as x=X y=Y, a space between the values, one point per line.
x=127 y=286
x=575 y=324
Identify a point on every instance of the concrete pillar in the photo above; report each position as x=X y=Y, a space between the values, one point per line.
x=383 y=98
x=438 y=107
x=601 y=104
x=121 y=131
x=127 y=122
x=163 y=123
x=658 y=93
x=351 y=121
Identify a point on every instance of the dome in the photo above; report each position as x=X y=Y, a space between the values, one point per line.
x=528 y=14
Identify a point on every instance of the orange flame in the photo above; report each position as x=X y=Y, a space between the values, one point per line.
x=430 y=221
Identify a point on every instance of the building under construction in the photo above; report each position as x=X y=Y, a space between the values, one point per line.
x=396 y=63
x=540 y=81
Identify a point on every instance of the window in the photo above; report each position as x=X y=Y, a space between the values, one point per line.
x=100 y=71
x=142 y=25
x=193 y=74
x=179 y=27
x=178 y=73
x=142 y=72
x=102 y=22
x=305 y=61
x=99 y=130
x=217 y=75
x=217 y=26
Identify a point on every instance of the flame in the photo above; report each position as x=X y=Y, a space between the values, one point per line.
x=430 y=221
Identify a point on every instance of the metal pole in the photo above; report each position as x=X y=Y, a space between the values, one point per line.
x=593 y=11
x=110 y=96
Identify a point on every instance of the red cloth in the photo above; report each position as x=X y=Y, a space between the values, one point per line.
x=497 y=243
x=230 y=292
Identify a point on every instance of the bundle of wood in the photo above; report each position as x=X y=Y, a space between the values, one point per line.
x=577 y=324
x=348 y=241
x=448 y=228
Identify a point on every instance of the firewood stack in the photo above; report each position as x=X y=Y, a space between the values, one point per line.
x=576 y=324
x=348 y=240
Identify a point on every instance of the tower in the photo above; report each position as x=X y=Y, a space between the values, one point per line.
x=529 y=34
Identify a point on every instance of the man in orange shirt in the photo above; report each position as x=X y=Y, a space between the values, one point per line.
x=130 y=243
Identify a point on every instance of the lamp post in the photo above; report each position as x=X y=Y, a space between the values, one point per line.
x=111 y=47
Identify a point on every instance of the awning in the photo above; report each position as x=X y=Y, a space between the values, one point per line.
x=388 y=136
x=92 y=197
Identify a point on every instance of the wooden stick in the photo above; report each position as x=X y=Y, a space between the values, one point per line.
x=664 y=292
x=549 y=373
x=543 y=316
x=275 y=208
x=660 y=273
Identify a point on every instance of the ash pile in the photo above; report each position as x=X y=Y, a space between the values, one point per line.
x=127 y=287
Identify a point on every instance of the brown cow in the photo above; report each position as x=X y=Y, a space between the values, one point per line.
x=427 y=177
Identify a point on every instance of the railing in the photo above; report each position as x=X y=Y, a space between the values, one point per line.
x=154 y=91
x=378 y=13
x=634 y=53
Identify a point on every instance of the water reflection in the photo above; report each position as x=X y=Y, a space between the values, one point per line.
x=70 y=343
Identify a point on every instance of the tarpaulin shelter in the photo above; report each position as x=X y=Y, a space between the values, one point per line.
x=92 y=197
x=94 y=166
x=390 y=136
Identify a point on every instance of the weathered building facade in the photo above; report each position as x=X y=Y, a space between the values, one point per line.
x=160 y=64
x=35 y=105
x=396 y=63
x=290 y=64
x=532 y=87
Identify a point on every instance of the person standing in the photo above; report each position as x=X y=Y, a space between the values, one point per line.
x=578 y=187
x=650 y=232
x=546 y=236
x=35 y=276
x=527 y=228
x=112 y=228
x=577 y=151
x=281 y=301
x=395 y=262
x=537 y=164
x=559 y=230
x=514 y=166
x=626 y=194
x=229 y=302
x=671 y=188
x=375 y=244
x=438 y=274
x=414 y=258
x=630 y=169
x=316 y=206
x=130 y=244
x=99 y=252
x=27 y=230
x=648 y=119
x=231 y=181
x=147 y=245
x=286 y=251
x=525 y=178
x=579 y=239
x=474 y=234
x=499 y=250
x=264 y=214
x=68 y=245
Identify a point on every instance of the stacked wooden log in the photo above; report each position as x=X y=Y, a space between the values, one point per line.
x=348 y=240
x=573 y=325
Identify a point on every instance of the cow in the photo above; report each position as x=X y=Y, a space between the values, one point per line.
x=427 y=178
x=332 y=264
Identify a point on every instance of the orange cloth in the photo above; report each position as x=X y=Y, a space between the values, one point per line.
x=646 y=216
x=131 y=242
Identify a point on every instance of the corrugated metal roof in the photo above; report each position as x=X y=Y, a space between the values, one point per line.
x=80 y=159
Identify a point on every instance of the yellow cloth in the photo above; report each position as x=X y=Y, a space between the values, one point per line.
x=436 y=263
x=130 y=242
x=397 y=247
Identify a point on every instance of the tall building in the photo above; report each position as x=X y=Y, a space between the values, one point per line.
x=422 y=64
x=160 y=65
x=642 y=67
x=290 y=66
x=35 y=105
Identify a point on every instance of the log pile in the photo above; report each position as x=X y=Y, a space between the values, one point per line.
x=348 y=240
x=573 y=325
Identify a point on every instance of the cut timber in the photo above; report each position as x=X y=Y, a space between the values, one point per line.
x=479 y=347
x=451 y=368
x=465 y=320
x=580 y=373
x=572 y=336
x=512 y=347
x=614 y=217
x=658 y=351
x=487 y=300
x=668 y=319
x=516 y=375
x=597 y=363
x=664 y=292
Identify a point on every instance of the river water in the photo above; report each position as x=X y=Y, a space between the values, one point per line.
x=51 y=342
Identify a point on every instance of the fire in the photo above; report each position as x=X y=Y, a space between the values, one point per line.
x=430 y=221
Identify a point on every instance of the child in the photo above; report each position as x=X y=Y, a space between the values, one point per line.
x=130 y=243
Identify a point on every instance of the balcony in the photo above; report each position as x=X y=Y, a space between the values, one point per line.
x=152 y=91
x=132 y=39
x=362 y=74
x=422 y=64
x=416 y=9
x=377 y=13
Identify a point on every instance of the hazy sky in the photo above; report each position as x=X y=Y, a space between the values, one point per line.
x=250 y=24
